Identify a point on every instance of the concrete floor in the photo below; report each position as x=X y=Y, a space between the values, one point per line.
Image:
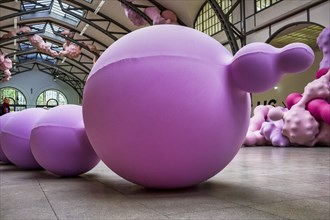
x=260 y=183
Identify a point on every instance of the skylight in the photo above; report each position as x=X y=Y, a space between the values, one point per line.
x=55 y=11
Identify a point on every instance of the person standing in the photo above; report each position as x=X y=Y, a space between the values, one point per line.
x=5 y=107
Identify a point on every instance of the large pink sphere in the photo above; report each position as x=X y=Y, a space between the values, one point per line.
x=15 y=138
x=59 y=142
x=160 y=109
x=3 y=120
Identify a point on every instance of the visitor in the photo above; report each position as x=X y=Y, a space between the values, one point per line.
x=4 y=108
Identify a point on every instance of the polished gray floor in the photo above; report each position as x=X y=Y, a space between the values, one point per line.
x=260 y=183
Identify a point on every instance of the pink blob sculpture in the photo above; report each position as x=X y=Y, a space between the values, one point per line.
x=15 y=138
x=323 y=41
x=313 y=98
x=61 y=146
x=38 y=42
x=134 y=17
x=3 y=121
x=300 y=127
x=253 y=136
x=167 y=106
x=155 y=14
x=5 y=66
x=272 y=132
x=323 y=137
x=71 y=49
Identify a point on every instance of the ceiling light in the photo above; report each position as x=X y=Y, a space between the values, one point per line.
x=15 y=42
x=15 y=22
x=14 y=56
x=99 y=7
x=275 y=87
x=63 y=59
x=84 y=29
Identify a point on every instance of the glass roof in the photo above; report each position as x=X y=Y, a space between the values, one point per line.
x=55 y=11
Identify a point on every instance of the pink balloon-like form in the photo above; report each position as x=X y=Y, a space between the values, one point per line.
x=167 y=106
x=323 y=137
x=313 y=98
x=323 y=41
x=15 y=138
x=300 y=127
x=5 y=65
x=253 y=136
x=59 y=142
x=3 y=121
x=272 y=131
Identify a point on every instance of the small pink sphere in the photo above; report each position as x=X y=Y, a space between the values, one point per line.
x=59 y=142
x=15 y=138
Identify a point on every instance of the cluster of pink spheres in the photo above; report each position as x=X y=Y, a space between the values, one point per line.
x=165 y=106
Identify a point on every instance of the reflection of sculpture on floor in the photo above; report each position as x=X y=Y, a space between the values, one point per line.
x=306 y=122
x=5 y=66
x=173 y=115
x=157 y=16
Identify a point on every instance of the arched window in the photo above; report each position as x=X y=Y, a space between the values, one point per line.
x=51 y=98
x=16 y=98
x=207 y=21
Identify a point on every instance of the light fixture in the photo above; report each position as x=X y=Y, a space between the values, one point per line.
x=84 y=29
x=14 y=57
x=15 y=42
x=99 y=7
x=63 y=60
x=275 y=87
x=15 y=22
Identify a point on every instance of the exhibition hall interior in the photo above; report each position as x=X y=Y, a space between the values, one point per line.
x=164 y=109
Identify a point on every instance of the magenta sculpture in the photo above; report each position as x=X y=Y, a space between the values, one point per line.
x=3 y=121
x=167 y=106
x=59 y=142
x=15 y=138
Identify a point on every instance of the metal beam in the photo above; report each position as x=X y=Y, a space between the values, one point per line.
x=226 y=25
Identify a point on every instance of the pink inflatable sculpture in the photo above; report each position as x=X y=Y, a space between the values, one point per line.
x=15 y=138
x=272 y=130
x=38 y=42
x=61 y=146
x=8 y=35
x=324 y=44
x=314 y=98
x=253 y=136
x=171 y=105
x=71 y=49
x=5 y=66
x=134 y=17
x=3 y=121
x=157 y=16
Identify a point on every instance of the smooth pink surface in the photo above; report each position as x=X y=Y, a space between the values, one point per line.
x=161 y=107
x=59 y=142
x=15 y=138
x=3 y=121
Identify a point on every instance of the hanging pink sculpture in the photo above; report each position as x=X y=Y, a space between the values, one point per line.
x=5 y=65
x=167 y=106
x=38 y=42
x=156 y=15
x=71 y=49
